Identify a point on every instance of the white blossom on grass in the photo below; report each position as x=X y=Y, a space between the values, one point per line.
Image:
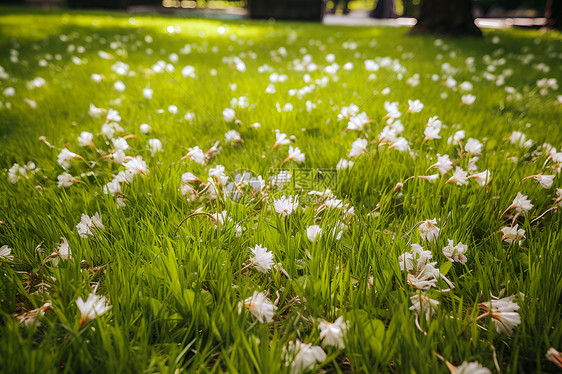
x=295 y=154
x=286 y=205
x=443 y=164
x=455 y=253
x=521 y=204
x=459 y=177
x=423 y=304
x=313 y=232
x=93 y=307
x=504 y=314
x=87 y=224
x=513 y=234
x=428 y=230
x=259 y=305
x=62 y=252
x=333 y=333
x=358 y=147
x=5 y=253
x=262 y=259
x=473 y=367
x=302 y=357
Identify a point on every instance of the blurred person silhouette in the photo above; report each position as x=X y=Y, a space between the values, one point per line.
x=345 y=6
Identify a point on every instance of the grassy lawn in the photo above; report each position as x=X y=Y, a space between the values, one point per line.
x=104 y=115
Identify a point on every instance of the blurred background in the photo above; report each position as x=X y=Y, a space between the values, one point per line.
x=403 y=8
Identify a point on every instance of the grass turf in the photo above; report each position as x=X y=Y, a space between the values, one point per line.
x=175 y=295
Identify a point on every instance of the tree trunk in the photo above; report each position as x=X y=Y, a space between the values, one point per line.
x=384 y=9
x=410 y=10
x=446 y=17
x=553 y=14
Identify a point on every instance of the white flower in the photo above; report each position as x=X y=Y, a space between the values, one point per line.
x=468 y=99
x=241 y=102
x=86 y=224
x=473 y=146
x=313 y=232
x=457 y=137
x=189 y=178
x=425 y=276
x=428 y=230
x=504 y=314
x=5 y=253
x=473 y=367
x=303 y=357
x=197 y=155
x=358 y=122
x=416 y=106
x=229 y=115
x=545 y=181
x=113 y=115
x=443 y=164
x=280 y=139
x=219 y=172
x=120 y=144
x=552 y=354
x=65 y=180
x=259 y=306
x=517 y=137
x=119 y=86
x=455 y=253
x=417 y=257
x=232 y=136
x=145 y=128
x=459 y=176
x=189 y=116
x=188 y=71
x=344 y=164
x=155 y=145
x=511 y=234
x=31 y=318
x=112 y=188
x=96 y=77
x=358 y=147
x=521 y=204
x=333 y=333
x=423 y=304
x=64 y=158
x=432 y=128
x=348 y=112
x=147 y=93
x=450 y=82
x=136 y=165
x=295 y=154
x=10 y=92
x=124 y=176
x=173 y=109
x=466 y=86
x=93 y=307
x=85 y=138
x=222 y=218
x=285 y=206
x=280 y=179
x=392 y=109
x=482 y=178
x=62 y=252
x=13 y=176
x=263 y=259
